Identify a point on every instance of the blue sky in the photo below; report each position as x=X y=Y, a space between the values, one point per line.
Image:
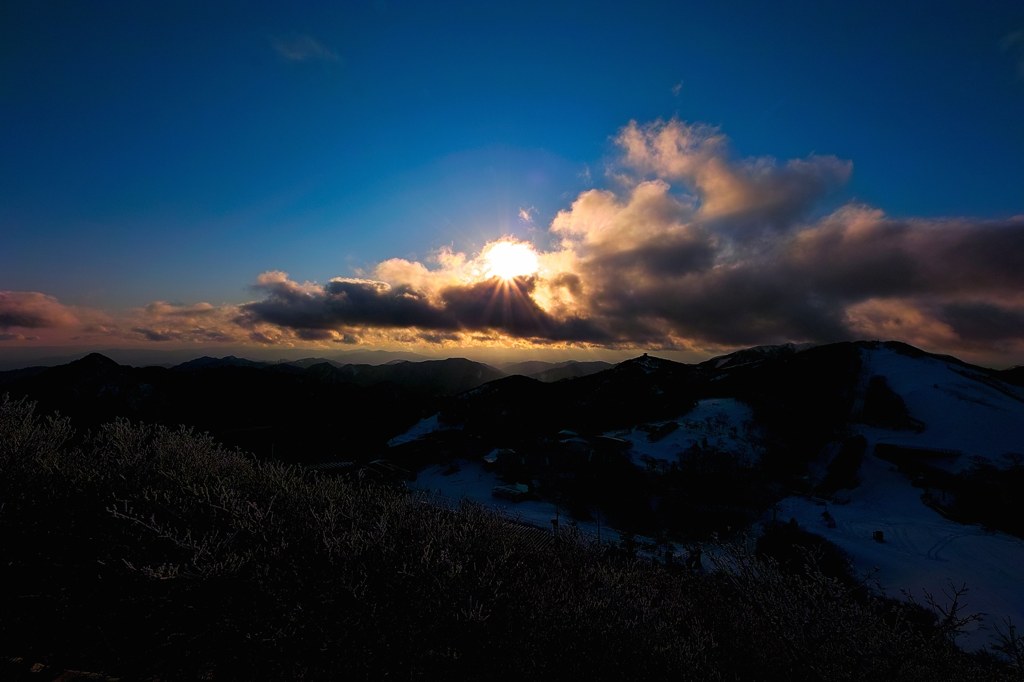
x=175 y=151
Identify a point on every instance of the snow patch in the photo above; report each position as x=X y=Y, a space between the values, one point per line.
x=421 y=428
x=470 y=481
x=723 y=424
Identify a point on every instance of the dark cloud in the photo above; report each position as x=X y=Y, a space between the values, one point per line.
x=315 y=334
x=741 y=306
x=438 y=338
x=342 y=303
x=858 y=254
x=510 y=308
x=154 y=335
x=23 y=318
x=801 y=287
x=982 y=321
x=488 y=305
x=671 y=256
x=261 y=337
x=184 y=335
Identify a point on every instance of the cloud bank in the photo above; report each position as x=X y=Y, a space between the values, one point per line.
x=695 y=248
x=699 y=249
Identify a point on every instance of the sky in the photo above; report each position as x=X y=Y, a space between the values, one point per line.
x=685 y=178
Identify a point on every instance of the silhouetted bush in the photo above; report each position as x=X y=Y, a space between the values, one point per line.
x=795 y=551
x=149 y=552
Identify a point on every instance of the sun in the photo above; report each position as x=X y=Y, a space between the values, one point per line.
x=507 y=259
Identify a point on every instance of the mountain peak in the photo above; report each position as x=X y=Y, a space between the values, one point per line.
x=94 y=360
x=648 y=363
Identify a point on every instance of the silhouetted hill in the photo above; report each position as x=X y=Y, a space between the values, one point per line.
x=527 y=367
x=93 y=388
x=375 y=357
x=429 y=378
x=304 y=363
x=1013 y=376
x=570 y=370
x=435 y=377
x=555 y=371
x=310 y=414
x=519 y=407
x=755 y=355
x=228 y=361
x=800 y=398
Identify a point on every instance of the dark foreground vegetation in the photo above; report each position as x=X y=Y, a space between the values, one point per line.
x=145 y=552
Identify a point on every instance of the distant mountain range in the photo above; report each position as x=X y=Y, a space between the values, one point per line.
x=27 y=357
x=233 y=394
x=306 y=409
x=16 y=358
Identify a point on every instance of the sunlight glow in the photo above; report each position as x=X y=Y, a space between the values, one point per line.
x=507 y=259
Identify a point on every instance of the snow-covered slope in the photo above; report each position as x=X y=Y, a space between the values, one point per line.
x=922 y=550
x=422 y=428
x=961 y=409
x=470 y=481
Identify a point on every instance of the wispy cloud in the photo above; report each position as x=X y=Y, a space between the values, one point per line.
x=1013 y=44
x=586 y=176
x=5 y=336
x=303 y=48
